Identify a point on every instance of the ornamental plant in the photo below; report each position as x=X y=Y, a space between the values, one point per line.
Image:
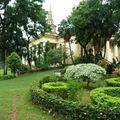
x=14 y=62
x=89 y=72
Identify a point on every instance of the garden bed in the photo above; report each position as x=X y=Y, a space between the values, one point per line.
x=69 y=109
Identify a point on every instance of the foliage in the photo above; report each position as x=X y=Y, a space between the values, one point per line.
x=63 y=70
x=6 y=77
x=106 y=96
x=89 y=28
x=23 y=68
x=90 y=72
x=57 y=88
x=54 y=56
x=110 y=68
x=103 y=63
x=73 y=87
x=14 y=62
x=115 y=82
x=19 y=22
x=71 y=110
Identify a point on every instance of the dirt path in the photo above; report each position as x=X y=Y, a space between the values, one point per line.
x=13 y=116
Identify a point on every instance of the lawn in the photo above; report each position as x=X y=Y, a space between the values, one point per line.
x=14 y=99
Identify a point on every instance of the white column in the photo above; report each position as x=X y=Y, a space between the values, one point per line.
x=108 y=52
x=115 y=51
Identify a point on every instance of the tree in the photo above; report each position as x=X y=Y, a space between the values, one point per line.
x=19 y=22
x=64 y=29
x=88 y=27
x=81 y=24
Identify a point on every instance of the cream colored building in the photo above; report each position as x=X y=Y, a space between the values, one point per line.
x=53 y=38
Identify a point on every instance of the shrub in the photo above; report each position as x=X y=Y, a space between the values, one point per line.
x=54 y=56
x=71 y=110
x=73 y=87
x=106 y=96
x=103 y=63
x=90 y=72
x=14 y=62
x=5 y=77
x=113 y=82
x=110 y=68
x=57 y=88
x=24 y=68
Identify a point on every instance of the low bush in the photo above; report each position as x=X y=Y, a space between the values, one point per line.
x=106 y=96
x=5 y=77
x=57 y=88
x=115 y=82
x=103 y=63
x=71 y=110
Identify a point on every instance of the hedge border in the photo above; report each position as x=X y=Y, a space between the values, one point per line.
x=112 y=82
x=71 y=110
x=100 y=97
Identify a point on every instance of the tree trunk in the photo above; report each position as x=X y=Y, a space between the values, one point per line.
x=5 y=63
x=71 y=52
x=88 y=82
x=85 y=50
x=64 y=56
x=28 y=58
x=105 y=49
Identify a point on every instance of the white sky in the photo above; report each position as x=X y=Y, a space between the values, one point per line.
x=60 y=8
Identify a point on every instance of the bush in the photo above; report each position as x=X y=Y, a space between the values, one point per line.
x=90 y=72
x=71 y=110
x=24 y=68
x=113 y=82
x=73 y=87
x=14 y=62
x=110 y=68
x=103 y=63
x=106 y=96
x=5 y=77
x=57 y=88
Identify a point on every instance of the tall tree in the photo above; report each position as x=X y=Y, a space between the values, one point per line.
x=65 y=31
x=19 y=22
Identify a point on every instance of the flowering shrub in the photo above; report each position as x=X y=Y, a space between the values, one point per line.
x=91 y=72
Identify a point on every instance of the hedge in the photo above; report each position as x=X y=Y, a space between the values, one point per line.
x=113 y=82
x=71 y=110
x=106 y=96
x=58 y=88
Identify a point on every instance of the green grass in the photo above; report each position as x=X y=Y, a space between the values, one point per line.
x=25 y=110
x=19 y=88
x=83 y=95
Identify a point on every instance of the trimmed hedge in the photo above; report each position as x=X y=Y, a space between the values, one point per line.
x=71 y=110
x=113 y=82
x=58 y=88
x=106 y=96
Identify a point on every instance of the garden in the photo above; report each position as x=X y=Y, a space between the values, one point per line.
x=46 y=81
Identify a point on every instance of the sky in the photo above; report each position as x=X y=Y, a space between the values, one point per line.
x=60 y=8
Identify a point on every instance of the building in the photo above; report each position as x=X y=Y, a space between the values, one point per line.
x=112 y=51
